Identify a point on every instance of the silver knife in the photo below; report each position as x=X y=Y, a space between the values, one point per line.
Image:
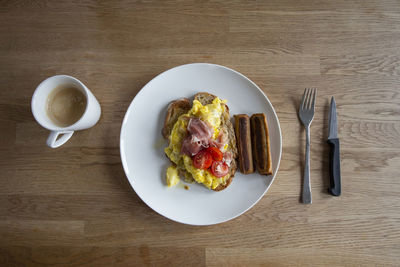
x=333 y=140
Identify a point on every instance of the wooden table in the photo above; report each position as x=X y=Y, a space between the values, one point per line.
x=74 y=205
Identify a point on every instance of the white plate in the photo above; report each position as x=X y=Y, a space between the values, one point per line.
x=144 y=160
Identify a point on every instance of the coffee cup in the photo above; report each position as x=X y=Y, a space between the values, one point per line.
x=63 y=104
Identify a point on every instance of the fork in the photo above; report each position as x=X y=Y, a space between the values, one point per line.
x=306 y=114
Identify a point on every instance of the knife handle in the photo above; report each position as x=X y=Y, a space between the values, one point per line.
x=335 y=188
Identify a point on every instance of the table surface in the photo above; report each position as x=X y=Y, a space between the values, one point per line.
x=74 y=205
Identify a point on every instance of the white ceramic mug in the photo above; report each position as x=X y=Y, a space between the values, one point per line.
x=89 y=118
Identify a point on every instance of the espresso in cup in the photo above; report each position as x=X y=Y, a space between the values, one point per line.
x=65 y=105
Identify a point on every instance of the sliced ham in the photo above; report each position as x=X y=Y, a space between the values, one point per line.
x=227 y=158
x=198 y=137
x=200 y=129
x=221 y=140
x=191 y=145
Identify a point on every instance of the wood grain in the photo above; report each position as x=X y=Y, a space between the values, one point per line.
x=74 y=205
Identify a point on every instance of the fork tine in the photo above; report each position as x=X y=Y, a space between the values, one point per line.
x=308 y=100
x=303 y=99
x=307 y=105
x=313 y=99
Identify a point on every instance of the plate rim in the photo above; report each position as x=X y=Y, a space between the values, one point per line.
x=123 y=159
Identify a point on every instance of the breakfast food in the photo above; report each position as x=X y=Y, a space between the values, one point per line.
x=174 y=110
x=243 y=140
x=261 y=145
x=172 y=176
x=201 y=142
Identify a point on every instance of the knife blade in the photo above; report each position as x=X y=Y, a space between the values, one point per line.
x=333 y=141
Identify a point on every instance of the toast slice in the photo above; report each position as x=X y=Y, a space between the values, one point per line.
x=174 y=110
x=182 y=106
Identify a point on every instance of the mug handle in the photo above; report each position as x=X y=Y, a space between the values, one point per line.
x=52 y=139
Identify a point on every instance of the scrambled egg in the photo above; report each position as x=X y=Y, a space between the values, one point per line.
x=172 y=176
x=210 y=113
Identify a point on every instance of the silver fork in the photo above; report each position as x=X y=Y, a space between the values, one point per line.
x=306 y=114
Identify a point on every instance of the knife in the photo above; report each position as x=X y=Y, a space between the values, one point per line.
x=333 y=141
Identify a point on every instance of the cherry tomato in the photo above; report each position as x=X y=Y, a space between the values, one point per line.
x=216 y=154
x=202 y=160
x=219 y=169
